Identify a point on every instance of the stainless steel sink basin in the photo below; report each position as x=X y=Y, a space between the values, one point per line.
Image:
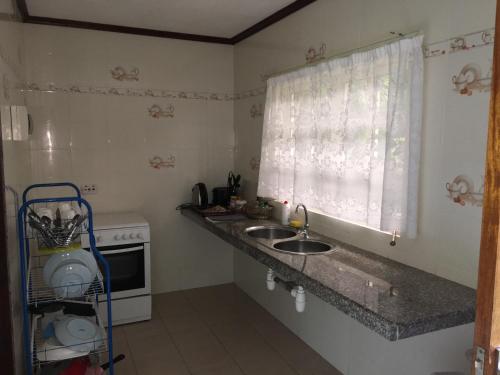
x=304 y=247
x=271 y=232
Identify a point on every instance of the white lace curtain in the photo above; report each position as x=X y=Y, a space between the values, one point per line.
x=343 y=137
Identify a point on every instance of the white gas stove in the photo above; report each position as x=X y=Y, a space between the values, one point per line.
x=124 y=240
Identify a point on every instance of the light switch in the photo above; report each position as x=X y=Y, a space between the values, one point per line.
x=20 y=122
x=6 y=120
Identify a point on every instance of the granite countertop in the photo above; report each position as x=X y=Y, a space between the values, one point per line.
x=395 y=300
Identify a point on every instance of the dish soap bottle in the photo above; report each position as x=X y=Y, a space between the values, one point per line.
x=295 y=220
x=285 y=213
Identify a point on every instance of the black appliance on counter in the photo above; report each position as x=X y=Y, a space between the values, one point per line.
x=221 y=196
x=200 y=195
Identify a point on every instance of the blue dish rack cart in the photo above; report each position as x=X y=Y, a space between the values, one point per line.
x=31 y=296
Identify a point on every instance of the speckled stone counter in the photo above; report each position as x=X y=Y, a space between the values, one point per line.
x=390 y=298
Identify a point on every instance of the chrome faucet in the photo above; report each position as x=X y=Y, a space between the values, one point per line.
x=305 y=228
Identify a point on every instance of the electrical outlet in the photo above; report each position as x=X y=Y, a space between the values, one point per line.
x=88 y=189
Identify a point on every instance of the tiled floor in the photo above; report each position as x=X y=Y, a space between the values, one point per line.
x=213 y=331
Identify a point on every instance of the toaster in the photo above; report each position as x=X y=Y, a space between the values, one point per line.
x=200 y=195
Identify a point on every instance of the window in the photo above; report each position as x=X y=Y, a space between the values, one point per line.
x=343 y=137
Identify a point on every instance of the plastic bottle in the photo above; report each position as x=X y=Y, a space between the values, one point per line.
x=285 y=213
x=295 y=220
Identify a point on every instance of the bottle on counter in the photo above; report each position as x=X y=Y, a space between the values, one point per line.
x=232 y=202
x=295 y=220
x=285 y=213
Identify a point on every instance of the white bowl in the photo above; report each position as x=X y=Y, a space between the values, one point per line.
x=71 y=280
x=78 y=333
x=75 y=256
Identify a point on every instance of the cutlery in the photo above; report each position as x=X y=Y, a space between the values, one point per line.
x=58 y=221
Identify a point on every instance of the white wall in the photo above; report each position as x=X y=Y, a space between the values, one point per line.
x=108 y=139
x=454 y=140
x=116 y=137
x=454 y=129
x=16 y=164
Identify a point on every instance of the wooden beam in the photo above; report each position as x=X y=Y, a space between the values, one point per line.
x=23 y=9
x=487 y=329
x=273 y=18
x=124 y=29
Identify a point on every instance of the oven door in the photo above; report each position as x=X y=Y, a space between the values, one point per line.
x=129 y=269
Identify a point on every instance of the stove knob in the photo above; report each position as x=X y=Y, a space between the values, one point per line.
x=124 y=236
x=131 y=236
x=140 y=236
x=116 y=237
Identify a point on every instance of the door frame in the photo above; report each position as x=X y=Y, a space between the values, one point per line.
x=487 y=326
x=6 y=337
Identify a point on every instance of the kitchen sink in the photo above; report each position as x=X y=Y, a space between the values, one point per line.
x=271 y=232
x=304 y=247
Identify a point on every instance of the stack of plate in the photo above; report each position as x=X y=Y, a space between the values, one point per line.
x=74 y=336
x=70 y=273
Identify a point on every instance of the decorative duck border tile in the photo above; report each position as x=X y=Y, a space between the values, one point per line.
x=452 y=45
x=155 y=111
x=157 y=162
x=461 y=191
x=121 y=74
x=136 y=92
x=313 y=55
x=470 y=79
x=254 y=163
x=256 y=110
x=460 y=43
x=250 y=93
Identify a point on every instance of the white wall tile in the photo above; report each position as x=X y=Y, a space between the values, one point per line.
x=454 y=127
x=108 y=140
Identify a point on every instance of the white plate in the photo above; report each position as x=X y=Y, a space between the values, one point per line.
x=52 y=350
x=78 y=333
x=71 y=280
x=75 y=256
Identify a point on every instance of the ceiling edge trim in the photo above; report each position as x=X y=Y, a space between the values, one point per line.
x=268 y=21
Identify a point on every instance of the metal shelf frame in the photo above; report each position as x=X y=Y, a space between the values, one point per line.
x=29 y=263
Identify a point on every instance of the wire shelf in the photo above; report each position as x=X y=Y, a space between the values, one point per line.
x=40 y=292
x=49 y=350
x=37 y=242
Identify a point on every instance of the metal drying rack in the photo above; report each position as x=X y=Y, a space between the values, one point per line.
x=36 y=293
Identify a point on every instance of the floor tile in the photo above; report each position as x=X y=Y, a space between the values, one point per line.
x=260 y=363
x=223 y=317
x=215 y=298
x=171 y=304
x=118 y=333
x=224 y=369
x=157 y=355
x=297 y=353
x=188 y=321
x=250 y=351
x=152 y=346
x=217 y=330
x=239 y=339
x=201 y=350
x=142 y=330
x=160 y=366
x=125 y=366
